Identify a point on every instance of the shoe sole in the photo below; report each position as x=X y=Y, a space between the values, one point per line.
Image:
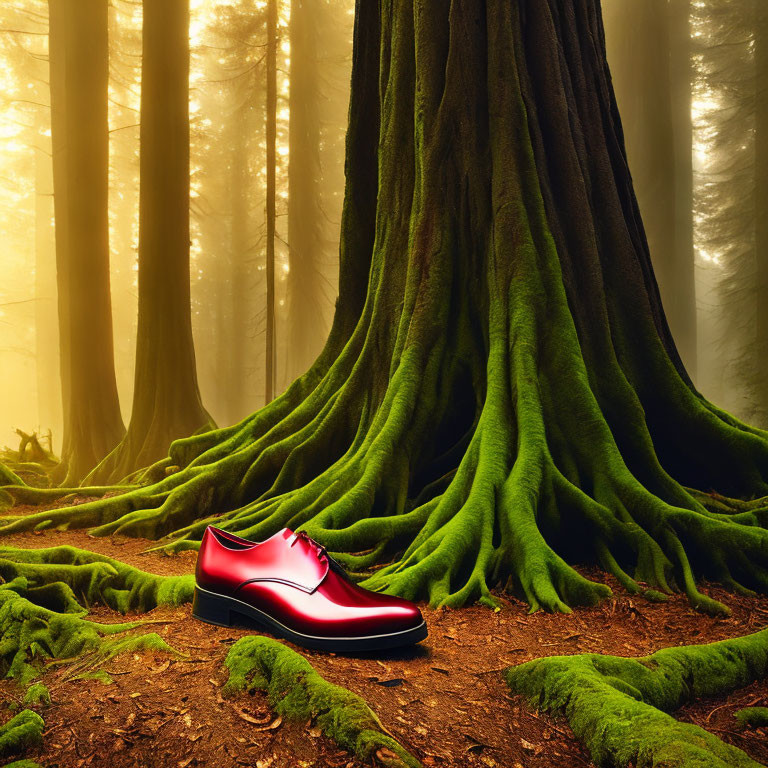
x=220 y=610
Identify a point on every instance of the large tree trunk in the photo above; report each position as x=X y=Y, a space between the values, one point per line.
x=166 y=401
x=649 y=53
x=79 y=69
x=500 y=395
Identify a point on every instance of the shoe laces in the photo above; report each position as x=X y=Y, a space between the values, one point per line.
x=318 y=549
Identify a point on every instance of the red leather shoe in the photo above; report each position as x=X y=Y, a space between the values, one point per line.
x=292 y=587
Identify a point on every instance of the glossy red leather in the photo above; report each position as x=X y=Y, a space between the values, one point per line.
x=226 y=562
x=289 y=578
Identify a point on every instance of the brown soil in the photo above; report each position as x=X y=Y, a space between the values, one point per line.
x=444 y=700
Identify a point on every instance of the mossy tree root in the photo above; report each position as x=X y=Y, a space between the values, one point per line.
x=499 y=398
x=8 y=477
x=297 y=692
x=72 y=576
x=44 y=594
x=618 y=706
x=22 y=732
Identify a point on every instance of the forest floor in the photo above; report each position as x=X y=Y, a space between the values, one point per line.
x=444 y=700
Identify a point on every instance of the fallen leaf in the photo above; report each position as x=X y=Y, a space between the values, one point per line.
x=535 y=748
x=386 y=755
x=274 y=724
x=250 y=719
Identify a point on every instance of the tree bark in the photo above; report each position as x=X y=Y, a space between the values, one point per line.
x=649 y=53
x=166 y=401
x=79 y=71
x=500 y=395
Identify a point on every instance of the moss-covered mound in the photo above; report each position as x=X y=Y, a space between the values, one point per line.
x=618 y=707
x=21 y=732
x=37 y=695
x=44 y=599
x=753 y=717
x=297 y=692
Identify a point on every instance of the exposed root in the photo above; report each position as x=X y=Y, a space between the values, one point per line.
x=297 y=692
x=44 y=595
x=20 y=733
x=617 y=707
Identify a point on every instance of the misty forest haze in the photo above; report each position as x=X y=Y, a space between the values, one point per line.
x=464 y=299
x=690 y=81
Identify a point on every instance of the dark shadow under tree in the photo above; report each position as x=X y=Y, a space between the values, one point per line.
x=500 y=396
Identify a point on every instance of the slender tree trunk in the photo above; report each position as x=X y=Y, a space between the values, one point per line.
x=79 y=70
x=271 y=131
x=500 y=395
x=649 y=53
x=306 y=326
x=166 y=401
x=241 y=253
x=46 y=324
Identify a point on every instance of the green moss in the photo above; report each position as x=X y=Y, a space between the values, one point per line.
x=618 y=706
x=37 y=695
x=99 y=674
x=7 y=477
x=91 y=578
x=753 y=717
x=21 y=732
x=23 y=764
x=297 y=692
x=44 y=596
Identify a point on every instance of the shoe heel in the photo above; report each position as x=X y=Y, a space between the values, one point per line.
x=211 y=608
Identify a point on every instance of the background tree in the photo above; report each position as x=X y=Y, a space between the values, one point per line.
x=649 y=53
x=166 y=402
x=724 y=205
x=306 y=332
x=79 y=71
x=320 y=39
x=271 y=134
x=500 y=394
x=46 y=327
x=125 y=23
